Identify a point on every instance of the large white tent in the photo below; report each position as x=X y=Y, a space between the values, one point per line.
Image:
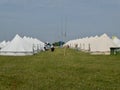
x=102 y=44
x=95 y=45
x=22 y=46
x=3 y=44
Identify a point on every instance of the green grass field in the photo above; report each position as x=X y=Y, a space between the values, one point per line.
x=55 y=71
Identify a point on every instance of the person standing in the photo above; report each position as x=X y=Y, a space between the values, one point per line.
x=52 y=48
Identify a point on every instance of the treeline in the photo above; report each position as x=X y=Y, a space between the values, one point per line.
x=59 y=43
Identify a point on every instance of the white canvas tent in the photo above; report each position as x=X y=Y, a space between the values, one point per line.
x=3 y=44
x=101 y=45
x=32 y=43
x=95 y=45
x=116 y=41
x=21 y=46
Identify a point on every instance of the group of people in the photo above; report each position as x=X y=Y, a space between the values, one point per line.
x=49 y=46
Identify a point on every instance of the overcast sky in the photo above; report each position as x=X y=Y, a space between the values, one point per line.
x=48 y=19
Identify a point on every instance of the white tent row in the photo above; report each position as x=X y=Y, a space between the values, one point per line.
x=22 y=46
x=95 y=45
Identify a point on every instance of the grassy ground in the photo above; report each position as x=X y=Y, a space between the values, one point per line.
x=56 y=71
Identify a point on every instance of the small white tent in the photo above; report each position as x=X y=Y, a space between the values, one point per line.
x=3 y=44
x=33 y=43
x=116 y=41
